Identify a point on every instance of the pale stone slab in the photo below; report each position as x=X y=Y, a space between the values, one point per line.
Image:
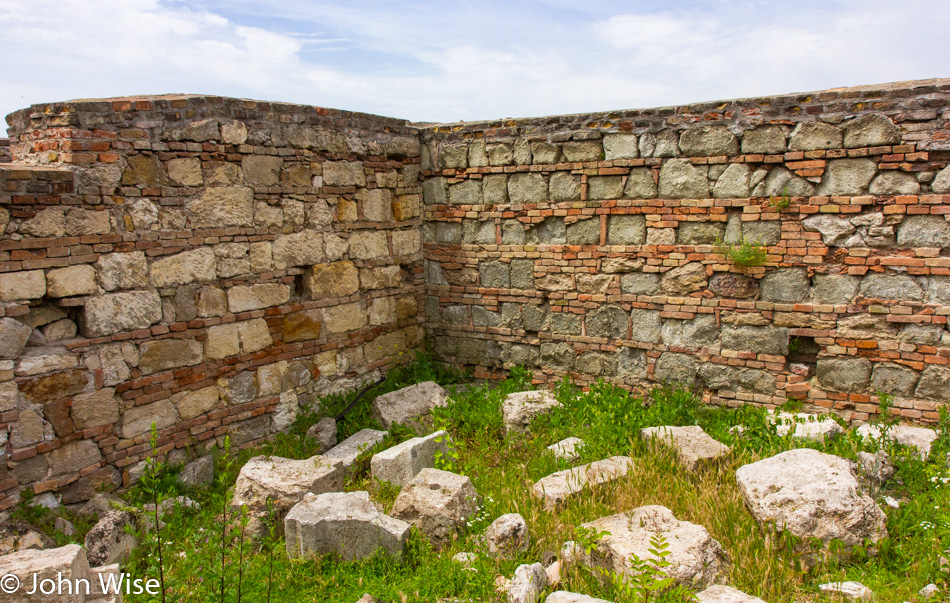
x=725 y=594
x=563 y=596
x=508 y=535
x=848 y=591
x=804 y=425
x=438 y=502
x=693 y=445
x=402 y=462
x=347 y=451
x=117 y=312
x=566 y=449
x=409 y=405
x=345 y=523
x=520 y=408
x=696 y=559
x=285 y=481
x=556 y=488
x=921 y=438
x=68 y=561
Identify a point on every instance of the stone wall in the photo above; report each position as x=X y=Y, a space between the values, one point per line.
x=587 y=245
x=202 y=264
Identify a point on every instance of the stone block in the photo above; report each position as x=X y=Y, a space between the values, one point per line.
x=185 y=171
x=81 y=222
x=620 y=146
x=116 y=312
x=519 y=409
x=645 y=325
x=184 y=268
x=640 y=283
x=13 y=338
x=434 y=191
x=387 y=345
x=815 y=135
x=495 y=275
x=693 y=446
x=304 y=248
x=347 y=452
x=640 y=184
x=527 y=188
x=787 y=285
x=67 y=563
x=673 y=368
x=56 y=386
x=924 y=231
x=122 y=270
x=556 y=489
x=565 y=186
x=708 y=141
x=337 y=279
x=221 y=206
x=198 y=402
x=304 y=325
x=138 y=420
x=847 y=177
x=399 y=464
x=680 y=179
x=583 y=232
x=368 y=245
x=684 y=279
x=163 y=354
x=437 y=502
x=343 y=173
x=244 y=298
x=407 y=244
x=583 y=151
x=844 y=374
x=262 y=170
x=344 y=317
x=890 y=286
x=767 y=140
x=604 y=187
x=699 y=233
x=871 y=130
x=733 y=285
x=28 y=284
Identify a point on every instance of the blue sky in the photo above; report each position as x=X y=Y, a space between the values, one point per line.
x=464 y=60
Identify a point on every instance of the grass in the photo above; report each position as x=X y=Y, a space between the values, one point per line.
x=744 y=254
x=503 y=470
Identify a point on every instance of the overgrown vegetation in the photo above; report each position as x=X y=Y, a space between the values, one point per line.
x=203 y=558
x=743 y=253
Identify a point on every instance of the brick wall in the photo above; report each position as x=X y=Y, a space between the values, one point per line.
x=586 y=245
x=209 y=265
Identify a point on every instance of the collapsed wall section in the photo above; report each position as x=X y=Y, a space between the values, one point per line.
x=611 y=246
x=205 y=265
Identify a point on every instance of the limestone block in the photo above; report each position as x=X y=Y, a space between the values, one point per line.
x=13 y=338
x=344 y=317
x=708 y=141
x=284 y=481
x=527 y=188
x=788 y=285
x=138 y=420
x=343 y=173
x=370 y=245
x=763 y=340
x=718 y=593
x=555 y=489
x=184 y=268
x=36 y=361
x=893 y=182
x=198 y=402
x=520 y=408
x=115 y=312
x=890 y=286
x=676 y=368
x=920 y=438
x=645 y=325
x=815 y=135
x=409 y=405
x=565 y=187
x=304 y=325
x=467 y=192
x=558 y=356
x=29 y=284
x=163 y=354
x=67 y=563
x=434 y=191
x=699 y=233
x=846 y=177
x=495 y=189
x=244 y=298
x=940 y=184
x=693 y=446
x=382 y=278
x=437 y=502
x=934 y=383
x=455 y=156
x=337 y=279
x=399 y=464
x=812 y=495
x=924 y=231
x=604 y=187
x=263 y=170
x=47 y=223
x=582 y=150
x=640 y=283
x=565 y=450
x=894 y=379
x=779 y=182
x=255 y=335
x=220 y=206
x=545 y=153
x=640 y=184
x=767 y=140
x=607 y=321
x=304 y=248
x=583 y=232
x=347 y=451
x=684 y=279
x=122 y=270
x=620 y=146
x=407 y=243
x=345 y=523
x=185 y=171
x=733 y=183
x=680 y=179
x=74 y=280
x=870 y=130
x=387 y=345
x=87 y=222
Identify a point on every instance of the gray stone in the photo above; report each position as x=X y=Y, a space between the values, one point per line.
x=555 y=489
x=679 y=179
x=437 y=502
x=197 y=473
x=549 y=232
x=284 y=481
x=645 y=325
x=565 y=186
x=699 y=233
x=762 y=340
x=870 y=130
x=812 y=495
x=846 y=177
x=399 y=464
x=520 y=408
x=696 y=560
x=477 y=232
x=527 y=584
x=693 y=446
x=410 y=405
x=672 y=368
x=111 y=540
x=522 y=274
x=434 y=191
x=500 y=154
x=815 y=135
x=455 y=156
x=626 y=230
x=924 y=231
x=893 y=182
x=583 y=232
x=844 y=374
x=508 y=535
x=343 y=173
x=934 y=383
x=117 y=312
x=583 y=150
x=766 y=140
x=780 y=182
x=347 y=451
x=734 y=182
x=804 y=425
x=323 y=432
x=448 y=233
x=684 y=279
x=640 y=283
x=607 y=321
x=67 y=563
x=615 y=265
x=667 y=143
x=786 y=285
x=708 y=141
x=718 y=593
x=894 y=379
x=566 y=449
x=640 y=184
x=545 y=153
x=920 y=438
x=847 y=591
x=891 y=286
x=512 y=233
x=558 y=356
x=527 y=188
x=345 y=523
x=13 y=338
x=835 y=230
x=700 y=331
x=604 y=187
x=941 y=182
x=620 y=146
x=494 y=275
x=467 y=192
x=834 y=288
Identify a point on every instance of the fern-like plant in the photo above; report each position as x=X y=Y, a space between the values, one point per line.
x=744 y=254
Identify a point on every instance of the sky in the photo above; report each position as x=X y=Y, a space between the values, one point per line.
x=464 y=60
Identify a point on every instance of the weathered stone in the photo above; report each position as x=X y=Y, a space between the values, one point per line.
x=565 y=323
x=184 y=268
x=684 y=279
x=164 y=354
x=467 y=192
x=767 y=140
x=345 y=523
x=562 y=596
x=920 y=438
x=733 y=285
x=111 y=540
x=343 y=173
x=67 y=563
x=676 y=368
x=305 y=325
x=527 y=584
x=834 y=288
x=29 y=284
x=620 y=146
x=197 y=473
x=527 y=188
x=409 y=405
x=305 y=248
x=122 y=270
x=788 y=285
x=555 y=489
x=680 y=179
x=640 y=283
x=834 y=230
x=245 y=298
x=815 y=135
x=699 y=233
x=13 y=338
x=583 y=150
x=725 y=594
x=284 y=482
x=696 y=560
x=55 y=386
x=894 y=379
x=399 y=464
x=762 y=340
x=139 y=420
x=804 y=425
x=583 y=232
x=847 y=591
x=708 y=141
x=733 y=183
x=117 y=312
x=871 y=130
x=924 y=231
x=812 y=495
x=508 y=535
x=693 y=446
x=350 y=449
x=893 y=182
x=846 y=177
x=640 y=184
x=891 y=286
x=934 y=383
x=220 y=206
x=495 y=274
x=607 y=321
x=95 y=409
x=438 y=502
x=700 y=331
x=520 y=408
x=626 y=230
x=323 y=433
x=604 y=187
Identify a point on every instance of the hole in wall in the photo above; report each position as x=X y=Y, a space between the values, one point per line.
x=804 y=350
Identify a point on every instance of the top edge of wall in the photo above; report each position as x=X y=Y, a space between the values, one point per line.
x=868 y=91
x=151 y=102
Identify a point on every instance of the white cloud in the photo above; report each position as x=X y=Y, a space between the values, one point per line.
x=458 y=60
